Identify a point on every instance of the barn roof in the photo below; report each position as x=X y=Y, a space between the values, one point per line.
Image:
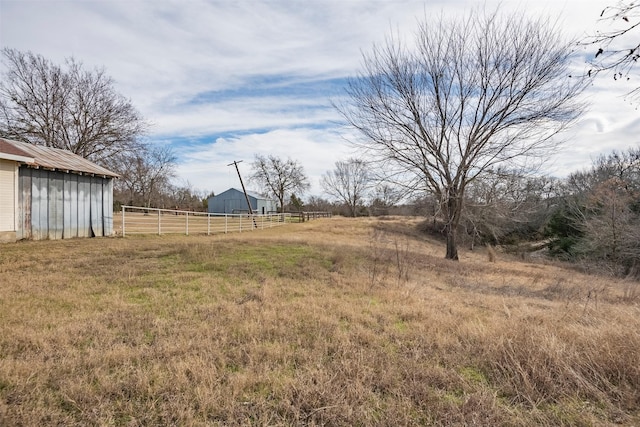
x=258 y=196
x=249 y=193
x=10 y=152
x=38 y=156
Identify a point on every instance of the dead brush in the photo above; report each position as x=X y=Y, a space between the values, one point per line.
x=378 y=266
x=386 y=254
x=491 y=253
x=404 y=259
x=631 y=290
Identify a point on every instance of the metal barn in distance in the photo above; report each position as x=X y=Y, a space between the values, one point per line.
x=49 y=193
x=233 y=201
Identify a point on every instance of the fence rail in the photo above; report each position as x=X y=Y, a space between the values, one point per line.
x=308 y=216
x=138 y=220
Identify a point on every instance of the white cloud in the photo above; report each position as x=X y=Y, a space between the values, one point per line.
x=205 y=166
x=243 y=114
x=611 y=123
x=164 y=54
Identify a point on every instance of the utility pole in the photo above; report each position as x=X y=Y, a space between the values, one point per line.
x=246 y=196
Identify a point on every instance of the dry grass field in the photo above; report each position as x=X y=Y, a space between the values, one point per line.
x=334 y=322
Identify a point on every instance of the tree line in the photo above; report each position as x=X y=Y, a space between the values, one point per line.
x=591 y=216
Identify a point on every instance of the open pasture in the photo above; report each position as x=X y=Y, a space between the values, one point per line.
x=330 y=322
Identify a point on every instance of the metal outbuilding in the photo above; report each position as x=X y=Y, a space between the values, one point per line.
x=49 y=193
x=233 y=201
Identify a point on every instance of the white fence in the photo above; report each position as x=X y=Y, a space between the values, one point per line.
x=137 y=220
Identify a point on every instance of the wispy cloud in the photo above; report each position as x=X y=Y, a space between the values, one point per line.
x=316 y=149
x=224 y=80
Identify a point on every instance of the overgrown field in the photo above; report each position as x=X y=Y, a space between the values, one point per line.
x=333 y=322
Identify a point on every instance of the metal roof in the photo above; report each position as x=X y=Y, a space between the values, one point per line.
x=249 y=193
x=38 y=156
x=10 y=152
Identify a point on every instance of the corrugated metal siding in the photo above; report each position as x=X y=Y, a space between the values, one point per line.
x=57 y=205
x=70 y=203
x=24 y=204
x=107 y=206
x=96 y=207
x=231 y=201
x=266 y=206
x=84 y=206
x=7 y=195
x=235 y=205
x=39 y=205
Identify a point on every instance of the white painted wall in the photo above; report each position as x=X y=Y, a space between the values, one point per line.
x=8 y=194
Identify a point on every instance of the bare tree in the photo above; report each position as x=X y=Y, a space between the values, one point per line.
x=617 y=49
x=184 y=196
x=348 y=182
x=144 y=175
x=611 y=225
x=319 y=204
x=471 y=94
x=385 y=196
x=70 y=108
x=279 y=177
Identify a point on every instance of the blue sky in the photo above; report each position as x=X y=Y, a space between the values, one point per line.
x=225 y=80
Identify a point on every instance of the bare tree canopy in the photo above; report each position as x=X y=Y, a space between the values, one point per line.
x=144 y=175
x=69 y=108
x=469 y=94
x=278 y=177
x=617 y=49
x=348 y=182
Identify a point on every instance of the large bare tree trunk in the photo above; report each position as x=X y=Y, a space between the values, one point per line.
x=452 y=244
x=452 y=214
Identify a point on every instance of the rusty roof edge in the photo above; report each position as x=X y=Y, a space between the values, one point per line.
x=57 y=159
x=16 y=158
x=35 y=165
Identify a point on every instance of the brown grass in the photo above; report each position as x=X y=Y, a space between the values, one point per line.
x=331 y=322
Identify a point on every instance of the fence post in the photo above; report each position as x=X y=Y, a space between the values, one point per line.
x=187 y=224
x=159 y=226
x=123 y=227
x=208 y=224
x=226 y=221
